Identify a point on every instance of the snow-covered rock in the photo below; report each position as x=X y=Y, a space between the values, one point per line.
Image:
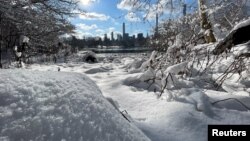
x=89 y=56
x=58 y=106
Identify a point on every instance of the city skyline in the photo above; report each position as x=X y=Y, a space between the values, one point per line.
x=122 y=40
x=107 y=16
x=103 y=17
x=119 y=36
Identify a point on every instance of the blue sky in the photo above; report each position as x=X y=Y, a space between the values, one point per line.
x=106 y=16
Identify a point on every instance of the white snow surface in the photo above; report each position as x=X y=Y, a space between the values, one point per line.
x=181 y=113
x=175 y=69
x=242 y=24
x=58 y=106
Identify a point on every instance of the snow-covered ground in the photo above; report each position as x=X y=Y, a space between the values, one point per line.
x=184 y=118
x=58 y=106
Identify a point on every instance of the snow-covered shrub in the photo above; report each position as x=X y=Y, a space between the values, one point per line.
x=135 y=65
x=178 y=68
x=157 y=74
x=179 y=32
x=151 y=62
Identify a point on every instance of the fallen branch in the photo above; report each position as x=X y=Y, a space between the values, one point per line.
x=242 y=104
x=246 y=55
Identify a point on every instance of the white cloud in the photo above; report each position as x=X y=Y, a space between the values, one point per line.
x=88 y=2
x=100 y=31
x=85 y=27
x=132 y=17
x=130 y=5
x=149 y=9
x=111 y=29
x=80 y=34
x=94 y=16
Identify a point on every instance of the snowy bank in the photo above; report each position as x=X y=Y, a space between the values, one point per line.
x=58 y=106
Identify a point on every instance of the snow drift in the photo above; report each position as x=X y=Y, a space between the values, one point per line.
x=58 y=106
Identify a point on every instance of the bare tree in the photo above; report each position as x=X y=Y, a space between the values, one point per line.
x=43 y=21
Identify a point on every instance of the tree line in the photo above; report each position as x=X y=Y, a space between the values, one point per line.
x=42 y=21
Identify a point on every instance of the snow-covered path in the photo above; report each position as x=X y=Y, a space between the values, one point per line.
x=158 y=119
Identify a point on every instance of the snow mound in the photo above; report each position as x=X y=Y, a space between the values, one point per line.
x=143 y=81
x=97 y=70
x=56 y=106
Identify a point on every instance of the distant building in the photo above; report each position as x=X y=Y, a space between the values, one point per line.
x=105 y=37
x=126 y=36
x=156 y=25
x=97 y=38
x=140 y=36
x=119 y=37
x=133 y=37
x=112 y=36
x=123 y=30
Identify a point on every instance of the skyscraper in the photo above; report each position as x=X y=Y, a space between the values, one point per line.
x=156 y=25
x=123 y=30
x=112 y=36
x=105 y=37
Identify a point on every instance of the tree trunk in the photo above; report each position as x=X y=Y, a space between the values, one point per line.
x=1 y=55
x=205 y=24
x=1 y=66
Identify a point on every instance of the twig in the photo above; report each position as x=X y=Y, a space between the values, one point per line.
x=245 y=106
x=164 y=86
x=231 y=68
x=172 y=79
x=125 y=116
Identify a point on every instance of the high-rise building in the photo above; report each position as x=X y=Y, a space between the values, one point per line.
x=156 y=25
x=123 y=30
x=112 y=36
x=184 y=9
x=105 y=37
